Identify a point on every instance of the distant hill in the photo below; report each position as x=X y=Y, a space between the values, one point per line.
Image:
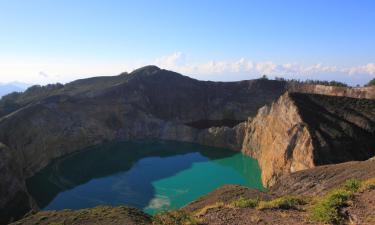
x=12 y=87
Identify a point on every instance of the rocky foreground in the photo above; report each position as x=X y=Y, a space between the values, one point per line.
x=287 y=127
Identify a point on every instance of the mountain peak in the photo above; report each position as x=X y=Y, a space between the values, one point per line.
x=146 y=70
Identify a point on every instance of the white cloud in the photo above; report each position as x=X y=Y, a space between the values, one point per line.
x=63 y=70
x=174 y=60
x=367 y=69
x=247 y=69
x=43 y=74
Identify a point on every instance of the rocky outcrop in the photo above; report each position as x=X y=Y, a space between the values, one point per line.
x=301 y=131
x=223 y=137
x=279 y=139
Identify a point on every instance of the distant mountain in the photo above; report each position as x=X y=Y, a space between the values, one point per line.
x=12 y=87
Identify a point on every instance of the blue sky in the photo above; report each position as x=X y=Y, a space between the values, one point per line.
x=48 y=41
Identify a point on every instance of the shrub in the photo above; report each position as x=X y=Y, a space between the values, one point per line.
x=352 y=185
x=178 y=217
x=327 y=209
x=285 y=202
x=371 y=83
x=245 y=203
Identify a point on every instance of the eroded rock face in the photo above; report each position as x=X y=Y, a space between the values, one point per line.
x=301 y=131
x=279 y=139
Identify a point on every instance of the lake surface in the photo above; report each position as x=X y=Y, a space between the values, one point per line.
x=150 y=175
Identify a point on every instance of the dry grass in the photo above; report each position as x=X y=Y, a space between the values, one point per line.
x=285 y=202
x=245 y=203
x=367 y=185
x=204 y=210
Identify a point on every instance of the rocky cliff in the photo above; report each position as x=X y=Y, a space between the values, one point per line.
x=355 y=92
x=301 y=131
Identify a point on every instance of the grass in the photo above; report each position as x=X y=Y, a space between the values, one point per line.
x=285 y=202
x=245 y=203
x=178 y=217
x=56 y=223
x=367 y=185
x=352 y=185
x=328 y=208
x=204 y=210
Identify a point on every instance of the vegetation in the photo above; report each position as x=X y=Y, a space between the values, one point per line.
x=208 y=207
x=16 y=100
x=352 y=185
x=328 y=208
x=264 y=77
x=245 y=203
x=320 y=82
x=285 y=202
x=371 y=83
x=367 y=185
x=178 y=217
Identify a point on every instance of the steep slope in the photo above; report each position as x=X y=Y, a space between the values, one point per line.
x=301 y=131
x=319 y=180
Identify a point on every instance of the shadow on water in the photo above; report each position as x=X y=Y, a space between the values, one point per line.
x=131 y=168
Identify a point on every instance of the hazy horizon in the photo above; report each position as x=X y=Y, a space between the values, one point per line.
x=47 y=42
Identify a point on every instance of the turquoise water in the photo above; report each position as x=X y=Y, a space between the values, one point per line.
x=150 y=175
